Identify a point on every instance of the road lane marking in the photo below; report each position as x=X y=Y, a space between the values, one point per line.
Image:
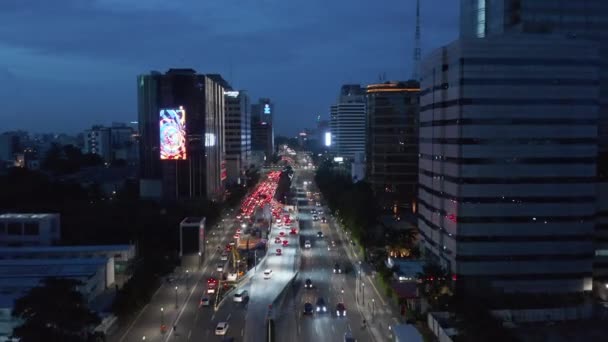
x=242 y=332
x=190 y=334
x=228 y=318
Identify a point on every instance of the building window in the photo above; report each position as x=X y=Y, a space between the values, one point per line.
x=31 y=228
x=14 y=228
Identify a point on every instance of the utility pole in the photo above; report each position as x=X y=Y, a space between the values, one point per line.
x=417 y=49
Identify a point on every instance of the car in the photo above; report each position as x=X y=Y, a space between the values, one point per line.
x=321 y=307
x=315 y=217
x=308 y=283
x=221 y=328
x=308 y=309
x=320 y=212
x=307 y=244
x=220 y=268
x=293 y=231
x=231 y=243
x=340 y=310
x=318 y=204
x=337 y=268
x=333 y=243
x=320 y=234
x=277 y=240
x=282 y=233
x=279 y=252
x=323 y=219
x=267 y=274
x=285 y=243
x=224 y=257
x=240 y=296
x=313 y=211
x=205 y=301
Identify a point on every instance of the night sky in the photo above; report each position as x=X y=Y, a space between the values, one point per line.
x=68 y=64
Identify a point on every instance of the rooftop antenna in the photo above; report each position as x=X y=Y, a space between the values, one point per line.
x=416 y=66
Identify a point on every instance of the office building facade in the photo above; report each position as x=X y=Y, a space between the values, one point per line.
x=238 y=134
x=508 y=144
x=579 y=19
x=392 y=142
x=97 y=140
x=347 y=122
x=262 y=131
x=188 y=162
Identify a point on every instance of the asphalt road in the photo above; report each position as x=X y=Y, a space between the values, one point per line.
x=317 y=264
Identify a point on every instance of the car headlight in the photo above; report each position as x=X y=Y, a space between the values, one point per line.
x=318 y=309
x=324 y=309
x=337 y=313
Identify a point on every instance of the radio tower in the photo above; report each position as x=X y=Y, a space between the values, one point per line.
x=416 y=65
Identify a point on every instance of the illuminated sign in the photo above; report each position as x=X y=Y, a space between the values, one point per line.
x=327 y=138
x=232 y=93
x=173 y=134
x=210 y=139
x=266 y=108
x=338 y=159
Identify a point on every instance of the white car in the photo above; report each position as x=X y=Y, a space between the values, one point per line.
x=268 y=274
x=231 y=277
x=240 y=296
x=307 y=244
x=220 y=268
x=224 y=257
x=221 y=328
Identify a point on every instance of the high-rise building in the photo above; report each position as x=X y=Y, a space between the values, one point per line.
x=181 y=125
x=392 y=142
x=508 y=144
x=580 y=19
x=97 y=140
x=238 y=134
x=347 y=122
x=262 y=131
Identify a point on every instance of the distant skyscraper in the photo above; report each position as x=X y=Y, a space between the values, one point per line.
x=262 y=130
x=508 y=144
x=577 y=19
x=392 y=142
x=238 y=133
x=347 y=122
x=97 y=140
x=9 y=145
x=181 y=124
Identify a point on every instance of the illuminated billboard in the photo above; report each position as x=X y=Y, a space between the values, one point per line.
x=328 y=139
x=173 y=134
x=266 y=108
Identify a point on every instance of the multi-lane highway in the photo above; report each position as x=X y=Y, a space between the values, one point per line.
x=280 y=296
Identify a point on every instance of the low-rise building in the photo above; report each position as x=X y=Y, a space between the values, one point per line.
x=29 y=229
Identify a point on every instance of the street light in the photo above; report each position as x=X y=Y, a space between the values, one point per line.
x=200 y=255
x=363 y=292
x=176 y=297
x=162 y=318
x=143 y=338
x=373 y=307
x=187 y=278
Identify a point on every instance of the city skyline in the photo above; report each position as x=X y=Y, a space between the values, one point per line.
x=63 y=82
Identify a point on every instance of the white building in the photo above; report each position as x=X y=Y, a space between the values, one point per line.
x=347 y=122
x=29 y=229
x=508 y=144
x=238 y=134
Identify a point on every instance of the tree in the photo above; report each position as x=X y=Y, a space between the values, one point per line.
x=54 y=311
x=436 y=285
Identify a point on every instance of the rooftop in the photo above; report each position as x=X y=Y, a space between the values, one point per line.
x=27 y=215
x=43 y=268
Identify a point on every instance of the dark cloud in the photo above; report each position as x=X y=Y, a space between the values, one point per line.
x=295 y=52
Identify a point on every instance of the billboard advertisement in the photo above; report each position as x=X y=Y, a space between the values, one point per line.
x=173 y=134
x=267 y=109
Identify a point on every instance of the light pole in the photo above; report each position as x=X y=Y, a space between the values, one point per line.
x=176 y=297
x=162 y=319
x=200 y=256
x=363 y=292
x=187 y=278
x=255 y=260
x=373 y=308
